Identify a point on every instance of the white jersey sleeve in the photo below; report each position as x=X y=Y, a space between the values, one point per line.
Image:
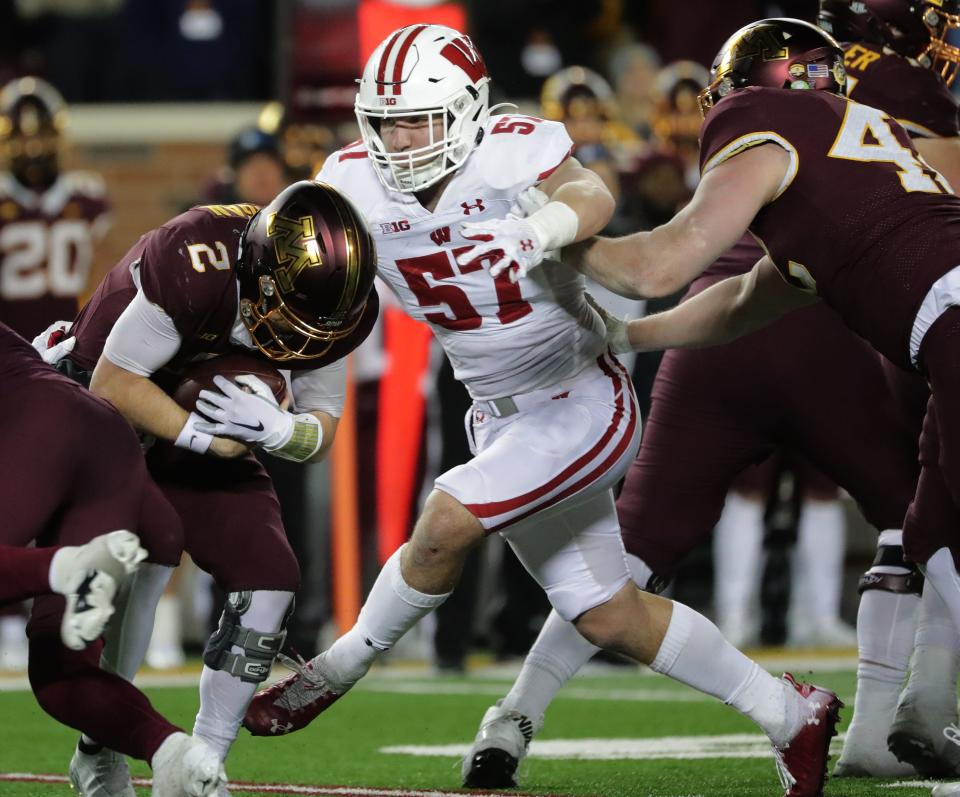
x=323 y=389
x=502 y=338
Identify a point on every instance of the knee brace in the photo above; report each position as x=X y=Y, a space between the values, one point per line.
x=890 y=572
x=258 y=648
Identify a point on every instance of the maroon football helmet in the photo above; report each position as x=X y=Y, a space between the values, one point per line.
x=33 y=116
x=306 y=269
x=915 y=29
x=777 y=53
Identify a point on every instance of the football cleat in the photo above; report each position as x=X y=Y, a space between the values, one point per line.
x=499 y=747
x=802 y=762
x=920 y=733
x=103 y=774
x=293 y=702
x=185 y=766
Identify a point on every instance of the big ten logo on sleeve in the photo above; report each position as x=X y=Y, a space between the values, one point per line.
x=39 y=258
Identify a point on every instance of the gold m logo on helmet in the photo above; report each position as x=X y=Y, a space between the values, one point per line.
x=296 y=247
x=762 y=42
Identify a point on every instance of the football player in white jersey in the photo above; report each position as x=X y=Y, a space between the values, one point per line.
x=554 y=422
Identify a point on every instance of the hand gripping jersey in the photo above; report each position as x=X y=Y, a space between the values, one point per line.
x=502 y=338
x=861 y=220
x=913 y=95
x=46 y=248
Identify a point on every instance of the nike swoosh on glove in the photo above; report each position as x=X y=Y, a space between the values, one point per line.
x=253 y=417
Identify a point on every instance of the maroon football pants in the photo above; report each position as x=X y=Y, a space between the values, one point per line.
x=24 y=572
x=805 y=383
x=73 y=469
x=231 y=518
x=933 y=521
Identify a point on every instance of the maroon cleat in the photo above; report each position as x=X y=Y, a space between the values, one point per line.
x=293 y=702
x=802 y=763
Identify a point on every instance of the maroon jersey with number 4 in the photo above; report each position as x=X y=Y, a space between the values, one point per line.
x=46 y=248
x=186 y=267
x=860 y=219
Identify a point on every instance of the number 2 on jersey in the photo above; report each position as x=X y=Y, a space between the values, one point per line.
x=439 y=266
x=866 y=135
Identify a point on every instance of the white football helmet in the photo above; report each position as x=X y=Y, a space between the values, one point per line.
x=431 y=71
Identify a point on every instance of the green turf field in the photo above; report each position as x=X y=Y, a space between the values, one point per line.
x=623 y=720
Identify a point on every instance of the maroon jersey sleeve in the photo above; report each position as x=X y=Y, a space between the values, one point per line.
x=913 y=95
x=736 y=124
x=187 y=268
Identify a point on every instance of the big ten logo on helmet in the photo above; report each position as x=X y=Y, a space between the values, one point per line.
x=387 y=100
x=388 y=227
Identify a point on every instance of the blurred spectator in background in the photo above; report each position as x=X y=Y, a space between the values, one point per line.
x=813 y=575
x=633 y=68
x=676 y=117
x=255 y=170
x=50 y=222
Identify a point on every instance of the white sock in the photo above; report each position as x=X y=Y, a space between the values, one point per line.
x=937 y=643
x=392 y=608
x=129 y=633
x=223 y=697
x=737 y=551
x=695 y=653
x=941 y=572
x=821 y=543
x=555 y=657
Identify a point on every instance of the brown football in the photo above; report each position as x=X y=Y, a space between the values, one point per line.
x=199 y=376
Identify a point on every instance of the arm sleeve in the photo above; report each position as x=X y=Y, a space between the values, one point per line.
x=143 y=339
x=322 y=389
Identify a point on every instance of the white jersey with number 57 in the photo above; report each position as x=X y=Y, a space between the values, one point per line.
x=502 y=338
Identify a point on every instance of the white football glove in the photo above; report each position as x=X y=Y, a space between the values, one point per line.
x=53 y=354
x=515 y=239
x=253 y=417
x=528 y=202
x=534 y=228
x=617 y=338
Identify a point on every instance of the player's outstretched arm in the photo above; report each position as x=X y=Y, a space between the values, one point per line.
x=723 y=312
x=142 y=341
x=660 y=262
x=578 y=205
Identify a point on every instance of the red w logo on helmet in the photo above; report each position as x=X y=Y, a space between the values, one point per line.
x=462 y=53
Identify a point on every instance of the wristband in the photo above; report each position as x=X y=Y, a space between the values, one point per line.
x=192 y=438
x=556 y=225
x=304 y=441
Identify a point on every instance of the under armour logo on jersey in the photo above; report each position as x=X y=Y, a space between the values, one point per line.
x=440 y=236
x=526 y=245
x=468 y=207
x=277 y=728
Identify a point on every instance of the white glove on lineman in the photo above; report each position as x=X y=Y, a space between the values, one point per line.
x=617 y=338
x=53 y=354
x=254 y=417
x=523 y=242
